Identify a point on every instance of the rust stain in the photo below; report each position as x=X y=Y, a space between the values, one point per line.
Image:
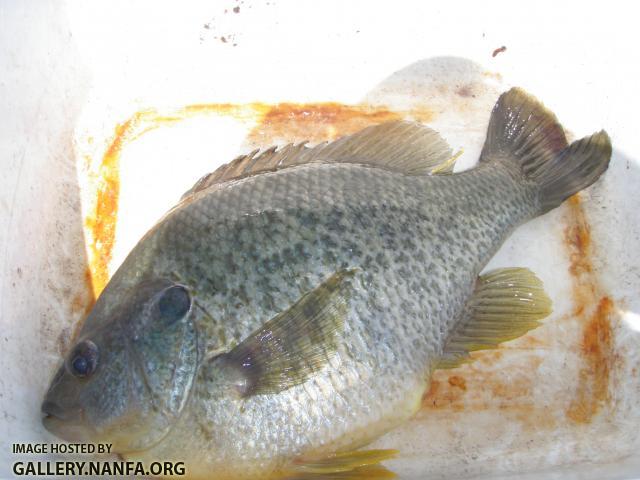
x=578 y=239
x=457 y=381
x=478 y=388
x=594 y=310
x=443 y=395
x=319 y=122
x=278 y=123
x=597 y=351
x=102 y=222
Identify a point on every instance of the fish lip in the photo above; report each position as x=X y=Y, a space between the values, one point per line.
x=68 y=424
x=52 y=409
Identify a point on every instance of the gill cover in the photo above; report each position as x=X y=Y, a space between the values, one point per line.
x=163 y=347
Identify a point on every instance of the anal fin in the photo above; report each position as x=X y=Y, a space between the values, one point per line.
x=353 y=465
x=505 y=305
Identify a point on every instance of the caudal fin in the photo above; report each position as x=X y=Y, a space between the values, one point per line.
x=522 y=131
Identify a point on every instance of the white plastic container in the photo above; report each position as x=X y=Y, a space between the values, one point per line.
x=111 y=111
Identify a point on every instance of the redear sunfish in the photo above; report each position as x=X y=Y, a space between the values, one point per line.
x=293 y=305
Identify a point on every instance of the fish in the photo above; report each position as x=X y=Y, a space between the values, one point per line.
x=292 y=307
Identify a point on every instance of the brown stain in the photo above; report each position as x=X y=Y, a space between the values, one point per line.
x=102 y=222
x=466 y=91
x=597 y=351
x=479 y=386
x=457 y=381
x=275 y=123
x=499 y=50
x=577 y=237
x=319 y=122
x=443 y=395
x=594 y=309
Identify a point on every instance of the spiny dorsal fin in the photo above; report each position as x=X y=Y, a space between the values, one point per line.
x=400 y=146
x=361 y=464
x=293 y=345
x=506 y=304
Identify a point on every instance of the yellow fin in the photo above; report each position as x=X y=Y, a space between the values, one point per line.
x=447 y=166
x=345 y=466
x=505 y=305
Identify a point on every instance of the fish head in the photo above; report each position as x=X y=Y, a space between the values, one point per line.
x=127 y=378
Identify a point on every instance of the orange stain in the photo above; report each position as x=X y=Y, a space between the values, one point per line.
x=443 y=395
x=279 y=123
x=476 y=386
x=594 y=308
x=319 y=122
x=597 y=351
x=457 y=381
x=578 y=239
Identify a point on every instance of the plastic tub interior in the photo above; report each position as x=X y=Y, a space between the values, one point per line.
x=110 y=111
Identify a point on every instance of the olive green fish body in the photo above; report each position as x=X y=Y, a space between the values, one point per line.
x=294 y=305
x=251 y=249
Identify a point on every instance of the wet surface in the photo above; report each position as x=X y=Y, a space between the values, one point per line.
x=543 y=388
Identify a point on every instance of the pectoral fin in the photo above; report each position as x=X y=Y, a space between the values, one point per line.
x=293 y=345
x=345 y=466
x=506 y=304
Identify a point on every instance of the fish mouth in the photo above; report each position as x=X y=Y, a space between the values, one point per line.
x=67 y=424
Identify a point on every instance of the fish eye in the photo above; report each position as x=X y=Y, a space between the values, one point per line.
x=174 y=303
x=84 y=359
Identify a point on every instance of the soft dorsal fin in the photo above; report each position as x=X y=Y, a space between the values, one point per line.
x=506 y=304
x=400 y=146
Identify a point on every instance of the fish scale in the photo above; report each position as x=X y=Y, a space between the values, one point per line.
x=294 y=304
x=328 y=203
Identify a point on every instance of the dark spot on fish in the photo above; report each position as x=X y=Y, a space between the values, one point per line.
x=328 y=241
x=287 y=255
x=230 y=264
x=381 y=260
x=268 y=302
x=301 y=250
x=402 y=258
x=408 y=243
x=406 y=307
x=329 y=258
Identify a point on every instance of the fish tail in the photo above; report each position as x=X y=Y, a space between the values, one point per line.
x=523 y=132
